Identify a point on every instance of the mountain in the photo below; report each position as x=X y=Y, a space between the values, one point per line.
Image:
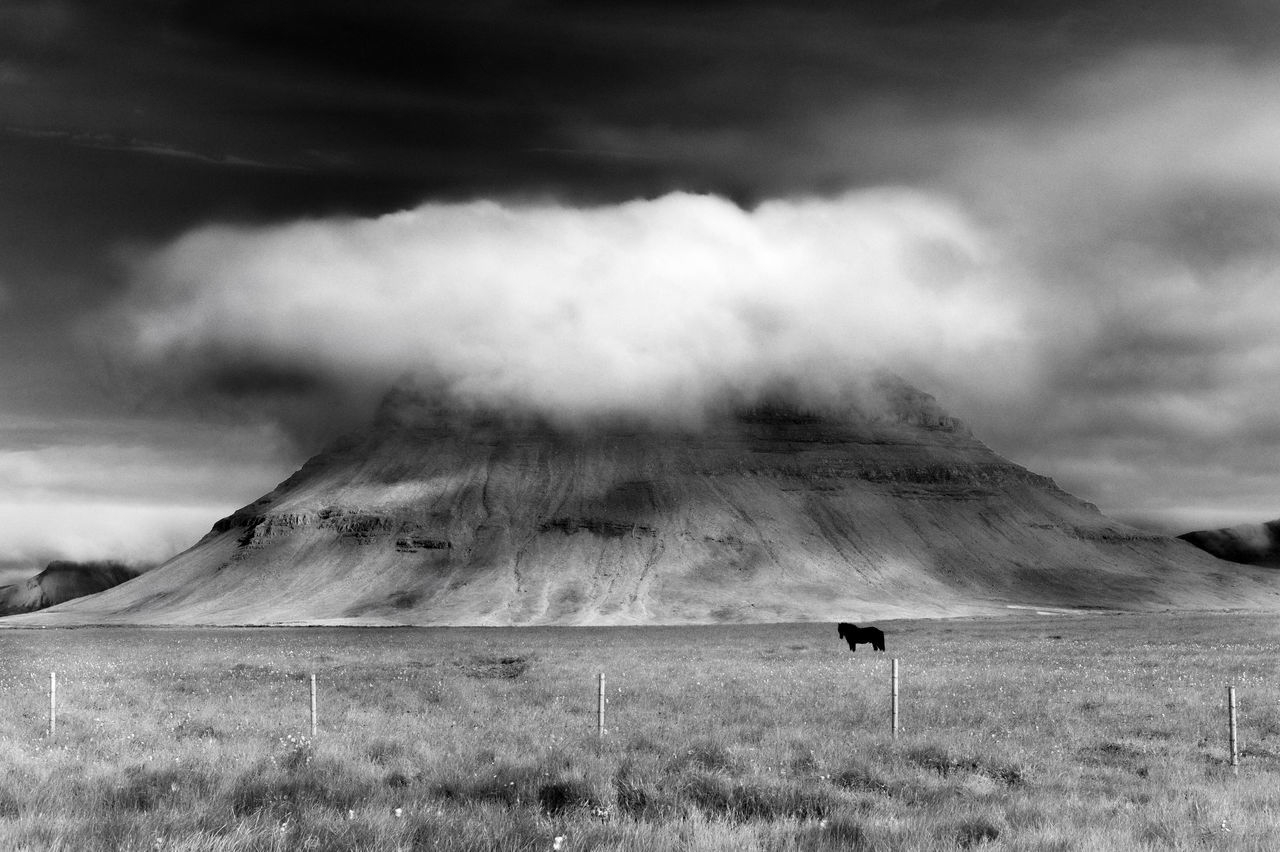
x=60 y=582
x=888 y=508
x=1248 y=544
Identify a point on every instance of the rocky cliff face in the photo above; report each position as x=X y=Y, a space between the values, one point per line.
x=772 y=513
x=1247 y=544
x=60 y=582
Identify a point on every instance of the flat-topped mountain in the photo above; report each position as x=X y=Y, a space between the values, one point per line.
x=771 y=513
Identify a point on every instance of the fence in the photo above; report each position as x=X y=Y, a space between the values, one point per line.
x=1233 y=744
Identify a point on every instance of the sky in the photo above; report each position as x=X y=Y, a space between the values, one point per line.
x=226 y=229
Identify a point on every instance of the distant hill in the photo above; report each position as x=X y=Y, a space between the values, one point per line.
x=60 y=582
x=1248 y=544
x=887 y=508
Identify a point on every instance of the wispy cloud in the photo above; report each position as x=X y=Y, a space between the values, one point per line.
x=151 y=147
x=135 y=492
x=39 y=531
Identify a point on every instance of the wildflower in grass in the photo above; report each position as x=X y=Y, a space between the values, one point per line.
x=559 y=843
x=297 y=751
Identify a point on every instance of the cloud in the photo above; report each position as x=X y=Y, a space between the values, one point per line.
x=132 y=492
x=39 y=531
x=659 y=307
x=1143 y=202
x=16 y=573
x=1161 y=118
x=1087 y=276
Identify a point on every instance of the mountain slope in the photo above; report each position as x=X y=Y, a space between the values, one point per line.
x=60 y=582
x=766 y=515
x=1248 y=544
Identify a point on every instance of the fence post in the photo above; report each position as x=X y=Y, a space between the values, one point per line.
x=313 y=705
x=600 y=707
x=53 y=704
x=893 y=703
x=1231 y=730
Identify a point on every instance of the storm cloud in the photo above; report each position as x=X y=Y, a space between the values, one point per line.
x=1062 y=218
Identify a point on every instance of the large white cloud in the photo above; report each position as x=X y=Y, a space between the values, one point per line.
x=653 y=306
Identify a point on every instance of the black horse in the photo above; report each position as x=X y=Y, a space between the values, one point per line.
x=853 y=634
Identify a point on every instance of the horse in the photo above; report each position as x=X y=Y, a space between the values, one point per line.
x=853 y=634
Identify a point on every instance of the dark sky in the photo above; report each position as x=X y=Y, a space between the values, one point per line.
x=1061 y=218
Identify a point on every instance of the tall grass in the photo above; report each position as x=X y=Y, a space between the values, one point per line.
x=1091 y=732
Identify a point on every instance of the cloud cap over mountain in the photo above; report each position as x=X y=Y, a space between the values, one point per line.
x=659 y=308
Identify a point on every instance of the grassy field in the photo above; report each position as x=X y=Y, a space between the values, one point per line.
x=1073 y=732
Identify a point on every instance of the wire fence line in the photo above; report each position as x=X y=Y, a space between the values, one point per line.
x=601 y=702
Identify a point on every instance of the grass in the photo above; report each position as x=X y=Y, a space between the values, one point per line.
x=1094 y=732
